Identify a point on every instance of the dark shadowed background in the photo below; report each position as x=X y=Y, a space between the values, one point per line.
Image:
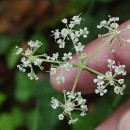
x=25 y=104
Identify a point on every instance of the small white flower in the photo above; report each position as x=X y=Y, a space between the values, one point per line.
x=112 y=82
x=82 y=56
x=77 y=34
x=35 y=44
x=19 y=50
x=48 y=57
x=109 y=76
x=76 y=19
x=26 y=62
x=52 y=71
x=56 y=34
x=37 y=61
x=67 y=56
x=71 y=95
x=28 y=52
x=84 y=32
x=111 y=19
x=32 y=76
x=79 y=47
x=81 y=101
x=61 y=43
x=83 y=106
x=54 y=103
x=61 y=117
x=111 y=63
x=60 y=79
x=31 y=43
x=114 y=25
x=55 y=56
x=64 y=21
x=67 y=66
x=21 y=68
x=99 y=80
x=64 y=32
x=82 y=114
x=74 y=37
x=69 y=106
x=99 y=26
x=119 y=90
x=72 y=121
x=121 y=81
x=120 y=69
x=72 y=24
x=101 y=90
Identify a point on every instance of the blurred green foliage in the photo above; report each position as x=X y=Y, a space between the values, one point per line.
x=24 y=89
x=10 y=121
x=2 y=98
x=26 y=105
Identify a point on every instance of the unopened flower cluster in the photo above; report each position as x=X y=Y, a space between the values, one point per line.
x=109 y=78
x=72 y=102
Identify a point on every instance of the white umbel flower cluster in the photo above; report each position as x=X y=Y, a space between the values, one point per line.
x=110 y=79
x=69 y=33
x=28 y=59
x=73 y=101
x=112 y=26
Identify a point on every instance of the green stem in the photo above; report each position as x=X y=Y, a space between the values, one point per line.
x=58 y=62
x=76 y=80
x=72 y=41
x=108 y=40
x=52 y=61
x=92 y=71
x=76 y=65
x=74 y=48
x=64 y=92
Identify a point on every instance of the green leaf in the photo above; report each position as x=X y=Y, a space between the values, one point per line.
x=16 y=116
x=105 y=1
x=24 y=87
x=11 y=58
x=2 y=98
x=44 y=94
x=47 y=118
x=4 y=120
x=10 y=121
x=4 y=43
x=85 y=123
